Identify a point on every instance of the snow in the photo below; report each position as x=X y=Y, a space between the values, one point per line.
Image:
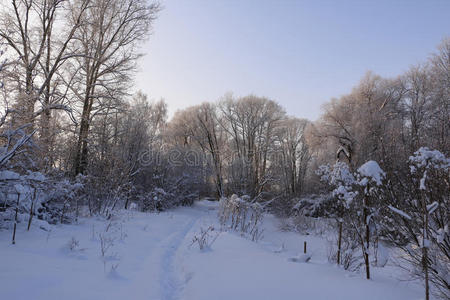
x=302 y=258
x=9 y=175
x=382 y=255
x=372 y=170
x=345 y=193
x=432 y=207
x=425 y=157
x=342 y=178
x=36 y=176
x=400 y=212
x=32 y=176
x=440 y=235
x=338 y=174
x=422 y=181
x=152 y=258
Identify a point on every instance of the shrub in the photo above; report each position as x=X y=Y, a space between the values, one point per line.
x=242 y=216
x=205 y=238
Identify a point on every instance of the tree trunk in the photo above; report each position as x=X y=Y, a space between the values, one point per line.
x=367 y=238
x=425 y=269
x=367 y=262
x=425 y=253
x=46 y=115
x=82 y=150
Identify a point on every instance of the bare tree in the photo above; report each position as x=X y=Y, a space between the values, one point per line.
x=27 y=27
x=109 y=37
x=200 y=125
x=251 y=122
x=416 y=101
x=361 y=125
x=294 y=153
x=439 y=128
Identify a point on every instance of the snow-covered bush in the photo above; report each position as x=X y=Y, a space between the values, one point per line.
x=62 y=203
x=279 y=205
x=73 y=244
x=309 y=225
x=313 y=205
x=351 y=258
x=106 y=241
x=156 y=200
x=409 y=209
x=242 y=216
x=369 y=187
x=53 y=200
x=159 y=200
x=355 y=206
x=417 y=216
x=340 y=180
x=101 y=194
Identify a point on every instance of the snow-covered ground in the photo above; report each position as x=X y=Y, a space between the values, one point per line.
x=148 y=256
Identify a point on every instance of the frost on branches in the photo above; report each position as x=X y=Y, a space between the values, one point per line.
x=340 y=178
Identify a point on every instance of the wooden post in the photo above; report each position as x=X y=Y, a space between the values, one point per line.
x=339 y=243
x=304 y=247
x=15 y=220
x=30 y=218
x=31 y=210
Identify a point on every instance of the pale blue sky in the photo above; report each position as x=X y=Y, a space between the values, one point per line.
x=299 y=53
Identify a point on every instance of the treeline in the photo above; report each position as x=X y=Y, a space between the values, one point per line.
x=252 y=147
x=388 y=119
x=68 y=114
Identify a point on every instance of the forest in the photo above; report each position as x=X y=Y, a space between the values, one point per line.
x=77 y=142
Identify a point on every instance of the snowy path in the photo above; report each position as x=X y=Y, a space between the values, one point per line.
x=171 y=284
x=143 y=253
x=151 y=259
